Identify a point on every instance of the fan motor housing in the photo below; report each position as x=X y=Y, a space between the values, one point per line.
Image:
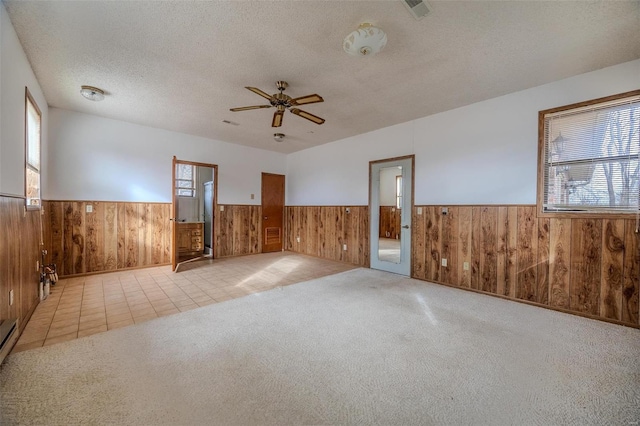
x=281 y=99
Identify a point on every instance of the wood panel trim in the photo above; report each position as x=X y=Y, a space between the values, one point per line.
x=240 y=205
x=338 y=206
x=106 y=201
x=195 y=163
x=591 y=102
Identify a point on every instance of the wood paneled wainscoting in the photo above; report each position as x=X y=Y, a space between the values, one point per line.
x=238 y=230
x=124 y=235
x=109 y=237
x=19 y=251
x=323 y=231
x=389 y=222
x=584 y=266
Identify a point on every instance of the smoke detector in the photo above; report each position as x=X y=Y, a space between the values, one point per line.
x=278 y=137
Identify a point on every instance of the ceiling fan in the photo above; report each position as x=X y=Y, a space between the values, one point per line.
x=283 y=102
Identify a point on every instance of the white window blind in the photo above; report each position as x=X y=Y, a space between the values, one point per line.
x=33 y=130
x=185 y=180
x=398 y=192
x=591 y=157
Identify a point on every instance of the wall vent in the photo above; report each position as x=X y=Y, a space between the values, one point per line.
x=418 y=8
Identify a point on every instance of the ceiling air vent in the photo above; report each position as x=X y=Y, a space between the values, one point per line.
x=418 y=8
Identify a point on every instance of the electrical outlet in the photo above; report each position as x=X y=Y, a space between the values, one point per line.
x=89 y=208
x=348 y=210
x=10 y=297
x=298 y=239
x=444 y=262
x=465 y=266
x=445 y=210
x=419 y=210
x=253 y=196
x=221 y=208
x=344 y=247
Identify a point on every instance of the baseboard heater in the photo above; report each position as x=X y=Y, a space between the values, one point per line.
x=8 y=334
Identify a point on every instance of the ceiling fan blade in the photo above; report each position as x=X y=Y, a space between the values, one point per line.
x=261 y=93
x=309 y=99
x=249 y=107
x=277 y=119
x=308 y=116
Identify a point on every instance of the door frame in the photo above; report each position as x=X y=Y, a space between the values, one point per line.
x=174 y=208
x=374 y=228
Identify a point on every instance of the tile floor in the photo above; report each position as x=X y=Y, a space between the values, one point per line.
x=82 y=306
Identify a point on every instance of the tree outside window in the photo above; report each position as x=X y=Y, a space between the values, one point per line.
x=591 y=156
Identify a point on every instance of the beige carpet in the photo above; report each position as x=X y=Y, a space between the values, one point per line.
x=360 y=347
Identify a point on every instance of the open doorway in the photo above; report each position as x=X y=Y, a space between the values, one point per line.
x=193 y=205
x=391 y=203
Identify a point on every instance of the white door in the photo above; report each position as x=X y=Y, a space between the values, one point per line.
x=391 y=203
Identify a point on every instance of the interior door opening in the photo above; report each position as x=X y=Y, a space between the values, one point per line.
x=194 y=203
x=391 y=204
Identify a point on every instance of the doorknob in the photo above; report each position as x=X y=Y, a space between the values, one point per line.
x=406 y=226
x=265 y=218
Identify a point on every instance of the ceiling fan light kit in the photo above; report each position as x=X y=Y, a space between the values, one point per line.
x=92 y=93
x=367 y=40
x=283 y=102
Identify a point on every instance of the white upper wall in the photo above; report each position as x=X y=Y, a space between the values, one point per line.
x=15 y=75
x=95 y=158
x=388 y=177
x=484 y=153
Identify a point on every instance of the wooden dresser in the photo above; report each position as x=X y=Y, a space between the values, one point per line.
x=189 y=236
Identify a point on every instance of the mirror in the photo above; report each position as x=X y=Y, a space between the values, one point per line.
x=194 y=198
x=390 y=214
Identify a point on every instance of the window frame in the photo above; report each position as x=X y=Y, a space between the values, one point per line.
x=28 y=99
x=542 y=164
x=399 y=194
x=192 y=188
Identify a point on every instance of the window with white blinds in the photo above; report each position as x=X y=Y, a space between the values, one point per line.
x=590 y=156
x=185 y=180
x=33 y=120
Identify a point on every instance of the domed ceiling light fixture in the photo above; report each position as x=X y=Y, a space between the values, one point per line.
x=278 y=137
x=92 y=93
x=367 y=40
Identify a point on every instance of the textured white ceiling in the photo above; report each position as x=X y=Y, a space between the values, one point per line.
x=181 y=65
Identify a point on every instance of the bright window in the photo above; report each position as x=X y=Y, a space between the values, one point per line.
x=33 y=120
x=185 y=180
x=398 y=192
x=589 y=156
